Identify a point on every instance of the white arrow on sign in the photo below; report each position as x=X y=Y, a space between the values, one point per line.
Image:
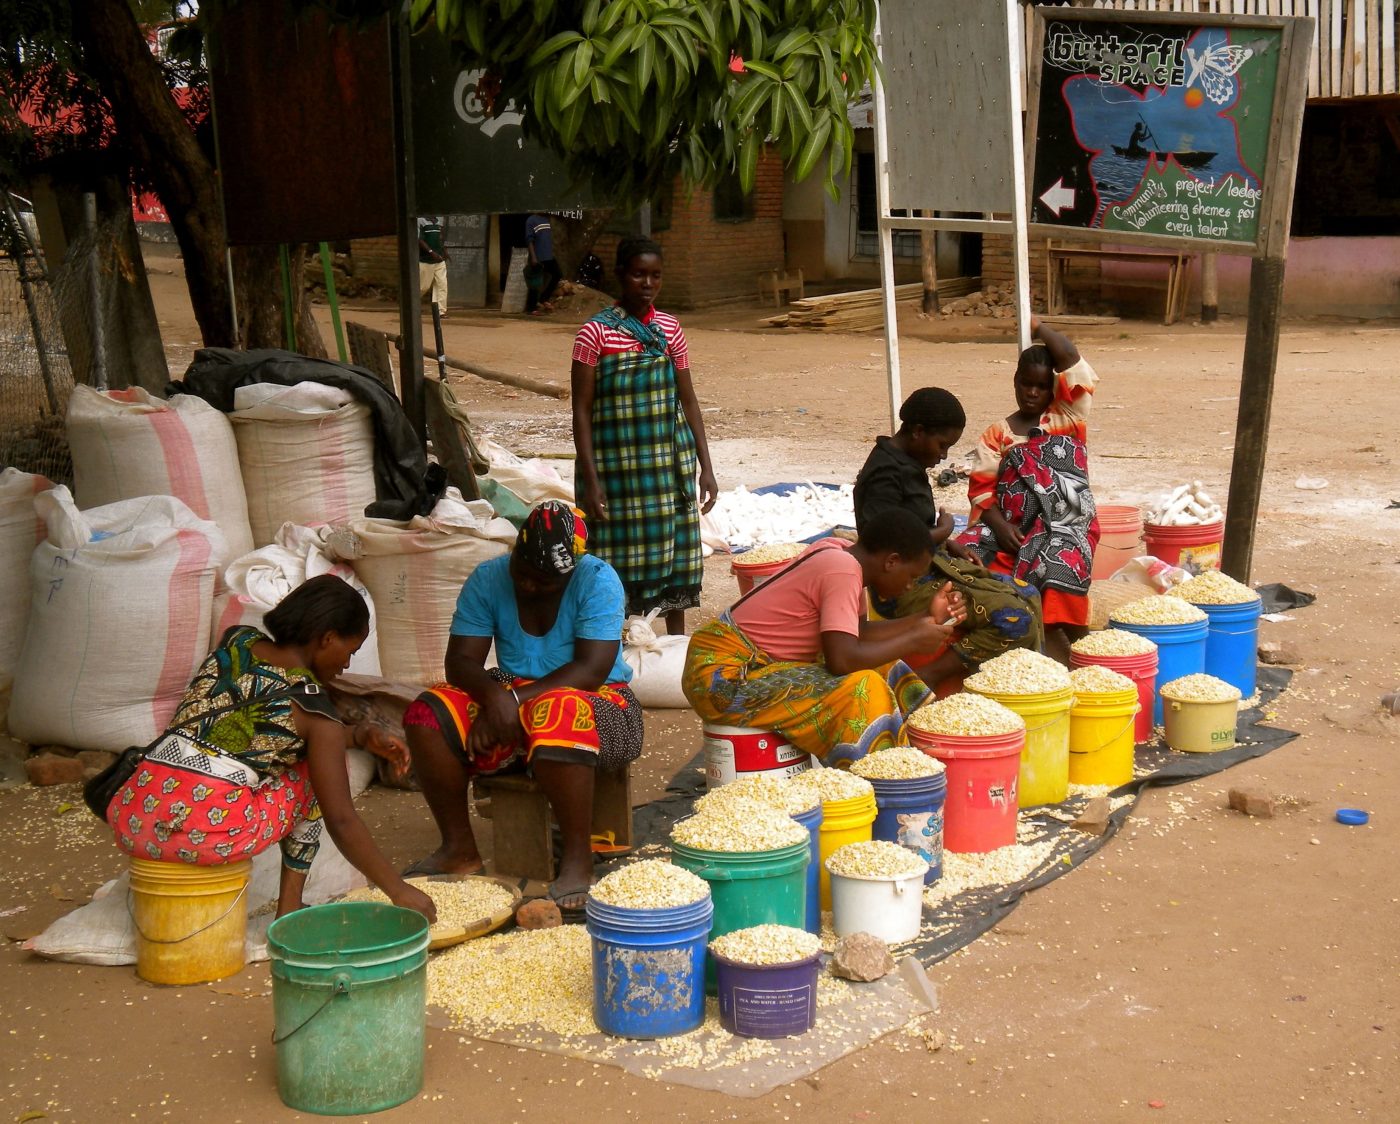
x=1058 y=197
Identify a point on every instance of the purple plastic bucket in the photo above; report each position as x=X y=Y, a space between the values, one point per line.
x=767 y=1001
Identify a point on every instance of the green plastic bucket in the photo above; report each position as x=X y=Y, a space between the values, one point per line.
x=349 y=998
x=750 y=888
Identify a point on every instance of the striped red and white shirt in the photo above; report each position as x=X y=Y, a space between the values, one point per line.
x=595 y=340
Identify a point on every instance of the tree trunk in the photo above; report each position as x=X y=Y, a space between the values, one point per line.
x=574 y=238
x=928 y=246
x=258 y=287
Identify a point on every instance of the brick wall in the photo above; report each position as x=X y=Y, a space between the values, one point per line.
x=997 y=268
x=376 y=260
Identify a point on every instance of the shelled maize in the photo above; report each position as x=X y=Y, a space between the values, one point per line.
x=1200 y=688
x=876 y=858
x=459 y=904
x=1096 y=680
x=741 y=825
x=833 y=784
x=1113 y=642
x=1214 y=588
x=650 y=884
x=1019 y=672
x=1157 y=609
x=764 y=945
x=898 y=763
x=766 y=787
x=773 y=552
x=966 y=715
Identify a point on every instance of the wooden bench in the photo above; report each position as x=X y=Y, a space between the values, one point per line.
x=780 y=284
x=1059 y=258
x=522 y=825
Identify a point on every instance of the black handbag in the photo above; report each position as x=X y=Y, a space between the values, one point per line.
x=99 y=791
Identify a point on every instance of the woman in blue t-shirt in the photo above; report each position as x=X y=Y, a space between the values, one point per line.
x=557 y=703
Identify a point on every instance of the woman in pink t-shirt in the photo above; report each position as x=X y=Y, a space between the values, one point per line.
x=797 y=655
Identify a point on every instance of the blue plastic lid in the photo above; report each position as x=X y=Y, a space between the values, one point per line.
x=1353 y=816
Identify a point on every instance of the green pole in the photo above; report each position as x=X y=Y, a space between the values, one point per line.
x=289 y=331
x=335 y=303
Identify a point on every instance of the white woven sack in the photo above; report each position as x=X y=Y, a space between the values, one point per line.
x=256 y=582
x=119 y=621
x=306 y=453
x=533 y=480
x=21 y=530
x=657 y=663
x=127 y=444
x=414 y=571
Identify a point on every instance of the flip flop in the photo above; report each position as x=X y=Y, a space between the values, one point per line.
x=557 y=895
x=421 y=868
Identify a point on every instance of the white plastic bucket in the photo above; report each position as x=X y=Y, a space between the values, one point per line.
x=888 y=908
x=732 y=752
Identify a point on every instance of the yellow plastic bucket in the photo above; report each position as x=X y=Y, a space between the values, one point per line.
x=1199 y=727
x=843 y=821
x=191 y=921
x=1044 y=777
x=1101 y=737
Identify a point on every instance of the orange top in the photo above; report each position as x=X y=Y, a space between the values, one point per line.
x=820 y=591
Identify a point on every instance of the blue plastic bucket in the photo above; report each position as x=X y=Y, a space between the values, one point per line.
x=1181 y=650
x=1232 y=643
x=649 y=968
x=812 y=821
x=910 y=813
x=768 y=1000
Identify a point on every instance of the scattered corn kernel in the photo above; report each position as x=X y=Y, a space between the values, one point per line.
x=833 y=784
x=876 y=858
x=740 y=825
x=650 y=884
x=766 y=787
x=1019 y=672
x=962 y=872
x=966 y=715
x=1200 y=688
x=767 y=944
x=773 y=552
x=1113 y=642
x=1214 y=588
x=1096 y=680
x=898 y=763
x=1157 y=609
x=459 y=904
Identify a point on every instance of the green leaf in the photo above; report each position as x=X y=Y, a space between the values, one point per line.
x=768 y=70
x=798 y=110
x=552 y=46
x=748 y=161
x=792 y=41
x=583 y=56
x=812 y=149
x=646 y=57
x=621 y=44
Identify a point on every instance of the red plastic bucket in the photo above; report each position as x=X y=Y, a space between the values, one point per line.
x=751 y=574
x=979 y=811
x=1193 y=548
x=1120 y=539
x=732 y=752
x=1142 y=670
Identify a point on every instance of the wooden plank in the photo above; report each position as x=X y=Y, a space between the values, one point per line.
x=1339 y=50
x=369 y=348
x=1315 y=67
x=1390 y=81
x=1372 y=9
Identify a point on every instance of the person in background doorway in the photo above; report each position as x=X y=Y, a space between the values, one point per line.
x=539 y=241
x=432 y=261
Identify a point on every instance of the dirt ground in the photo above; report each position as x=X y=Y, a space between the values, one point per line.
x=1203 y=966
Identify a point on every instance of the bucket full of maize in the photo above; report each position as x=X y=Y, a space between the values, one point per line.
x=1128 y=654
x=1232 y=631
x=732 y=752
x=756 y=566
x=811 y=819
x=848 y=812
x=1101 y=727
x=349 y=999
x=1037 y=688
x=1200 y=713
x=1178 y=629
x=979 y=742
x=877 y=888
x=767 y=981
x=649 y=923
x=910 y=788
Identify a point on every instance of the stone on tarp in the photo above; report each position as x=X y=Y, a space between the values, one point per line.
x=862 y=957
x=539 y=914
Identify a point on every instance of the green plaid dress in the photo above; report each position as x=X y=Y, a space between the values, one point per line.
x=645 y=456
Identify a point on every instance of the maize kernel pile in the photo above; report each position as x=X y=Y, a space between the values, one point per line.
x=650 y=884
x=741 y=824
x=962 y=872
x=898 y=763
x=833 y=784
x=966 y=715
x=876 y=858
x=1200 y=688
x=1113 y=642
x=459 y=904
x=1214 y=588
x=766 y=944
x=1019 y=672
x=765 y=787
x=773 y=552
x=1157 y=609
x=1095 y=680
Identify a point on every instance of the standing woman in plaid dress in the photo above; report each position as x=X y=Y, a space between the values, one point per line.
x=639 y=437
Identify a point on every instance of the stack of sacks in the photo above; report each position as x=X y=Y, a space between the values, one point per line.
x=256 y=582
x=128 y=444
x=122 y=599
x=21 y=530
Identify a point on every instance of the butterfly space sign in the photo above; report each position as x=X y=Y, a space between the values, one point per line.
x=1156 y=126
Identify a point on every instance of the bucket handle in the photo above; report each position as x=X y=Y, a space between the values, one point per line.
x=713 y=874
x=1063 y=716
x=188 y=936
x=340 y=985
x=1126 y=727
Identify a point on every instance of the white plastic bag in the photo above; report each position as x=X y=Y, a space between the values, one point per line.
x=128 y=444
x=532 y=480
x=306 y=453
x=21 y=530
x=657 y=663
x=122 y=597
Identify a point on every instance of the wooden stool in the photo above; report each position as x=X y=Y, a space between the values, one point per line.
x=521 y=820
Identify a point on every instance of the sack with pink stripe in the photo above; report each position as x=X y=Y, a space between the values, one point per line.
x=122 y=597
x=21 y=530
x=128 y=443
x=306 y=453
